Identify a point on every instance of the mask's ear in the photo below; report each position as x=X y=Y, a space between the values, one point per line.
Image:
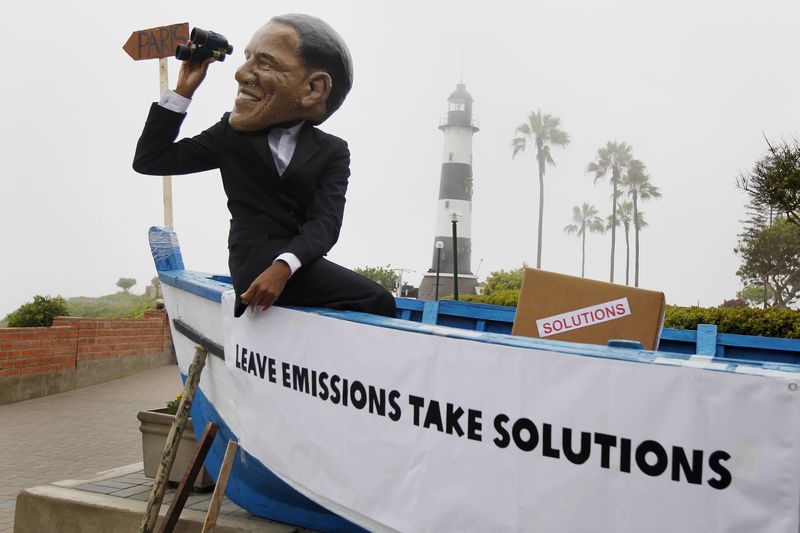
x=317 y=90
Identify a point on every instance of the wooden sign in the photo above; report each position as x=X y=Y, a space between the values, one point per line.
x=156 y=43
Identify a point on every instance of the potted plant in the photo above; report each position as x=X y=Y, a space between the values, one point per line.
x=155 y=426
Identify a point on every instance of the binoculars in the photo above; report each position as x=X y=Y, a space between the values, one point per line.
x=204 y=44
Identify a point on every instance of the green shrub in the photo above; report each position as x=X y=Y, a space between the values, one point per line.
x=502 y=281
x=38 y=313
x=43 y=309
x=509 y=297
x=772 y=322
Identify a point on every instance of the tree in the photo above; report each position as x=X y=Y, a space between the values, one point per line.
x=382 y=275
x=775 y=180
x=504 y=281
x=772 y=256
x=736 y=303
x=126 y=283
x=584 y=218
x=542 y=131
x=756 y=295
x=501 y=288
x=636 y=184
x=759 y=218
x=613 y=158
x=156 y=283
x=625 y=218
x=38 y=313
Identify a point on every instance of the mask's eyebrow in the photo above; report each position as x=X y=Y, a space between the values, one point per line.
x=269 y=58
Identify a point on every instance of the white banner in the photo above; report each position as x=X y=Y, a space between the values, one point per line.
x=409 y=431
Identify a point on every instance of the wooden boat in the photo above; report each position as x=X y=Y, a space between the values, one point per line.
x=443 y=421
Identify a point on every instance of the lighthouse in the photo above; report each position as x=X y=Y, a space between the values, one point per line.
x=455 y=201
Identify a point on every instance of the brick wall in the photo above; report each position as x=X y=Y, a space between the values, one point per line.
x=72 y=344
x=105 y=338
x=25 y=351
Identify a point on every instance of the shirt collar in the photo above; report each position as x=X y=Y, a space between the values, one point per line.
x=293 y=131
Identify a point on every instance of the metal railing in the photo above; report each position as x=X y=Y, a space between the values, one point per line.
x=444 y=121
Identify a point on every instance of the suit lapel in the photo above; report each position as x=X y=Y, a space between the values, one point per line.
x=306 y=147
x=260 y=143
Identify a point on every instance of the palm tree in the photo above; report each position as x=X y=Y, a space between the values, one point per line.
x=636 y=184
x=614 y=157
x=543 y=131
x=584 y=218
x=625 y=217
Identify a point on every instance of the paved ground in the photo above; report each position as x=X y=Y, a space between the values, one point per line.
x=135 y=486
x=76 y=434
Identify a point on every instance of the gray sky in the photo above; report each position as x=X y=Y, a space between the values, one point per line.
x=692 y=86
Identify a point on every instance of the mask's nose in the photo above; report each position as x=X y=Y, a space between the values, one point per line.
x=243 y=75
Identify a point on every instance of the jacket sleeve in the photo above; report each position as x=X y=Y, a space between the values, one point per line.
x=158 y=154
x=323 y=218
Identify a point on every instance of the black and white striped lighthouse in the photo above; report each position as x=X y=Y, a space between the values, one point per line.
x=455 y=200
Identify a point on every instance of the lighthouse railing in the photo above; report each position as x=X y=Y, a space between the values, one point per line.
x=445 y=120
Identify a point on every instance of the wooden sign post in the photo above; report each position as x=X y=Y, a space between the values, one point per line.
x=159 y=43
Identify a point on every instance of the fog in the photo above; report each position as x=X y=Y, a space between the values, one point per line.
x=693 y=87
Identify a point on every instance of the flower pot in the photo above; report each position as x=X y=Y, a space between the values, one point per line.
x=155 y=426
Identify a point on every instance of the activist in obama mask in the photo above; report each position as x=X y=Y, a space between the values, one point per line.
x=296 y=68
x=284 y=178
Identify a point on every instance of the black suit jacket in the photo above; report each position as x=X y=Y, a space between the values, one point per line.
x=299 y=212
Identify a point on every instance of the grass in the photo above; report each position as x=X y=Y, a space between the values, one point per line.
x=118 y=305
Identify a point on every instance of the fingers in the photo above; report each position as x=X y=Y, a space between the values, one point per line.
x=245 y=296
x=257 y=295
x=200 y=69
x=191 y=76
x=267 y=287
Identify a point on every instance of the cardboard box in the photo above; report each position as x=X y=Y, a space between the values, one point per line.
x=568 y=308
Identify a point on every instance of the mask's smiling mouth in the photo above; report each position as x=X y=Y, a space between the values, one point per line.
x=247 y=97
x=251 y=109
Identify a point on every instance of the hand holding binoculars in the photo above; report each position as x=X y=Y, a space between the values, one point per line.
x=204 y=45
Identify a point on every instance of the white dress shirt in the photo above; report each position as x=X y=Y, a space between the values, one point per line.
x=282 y=143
